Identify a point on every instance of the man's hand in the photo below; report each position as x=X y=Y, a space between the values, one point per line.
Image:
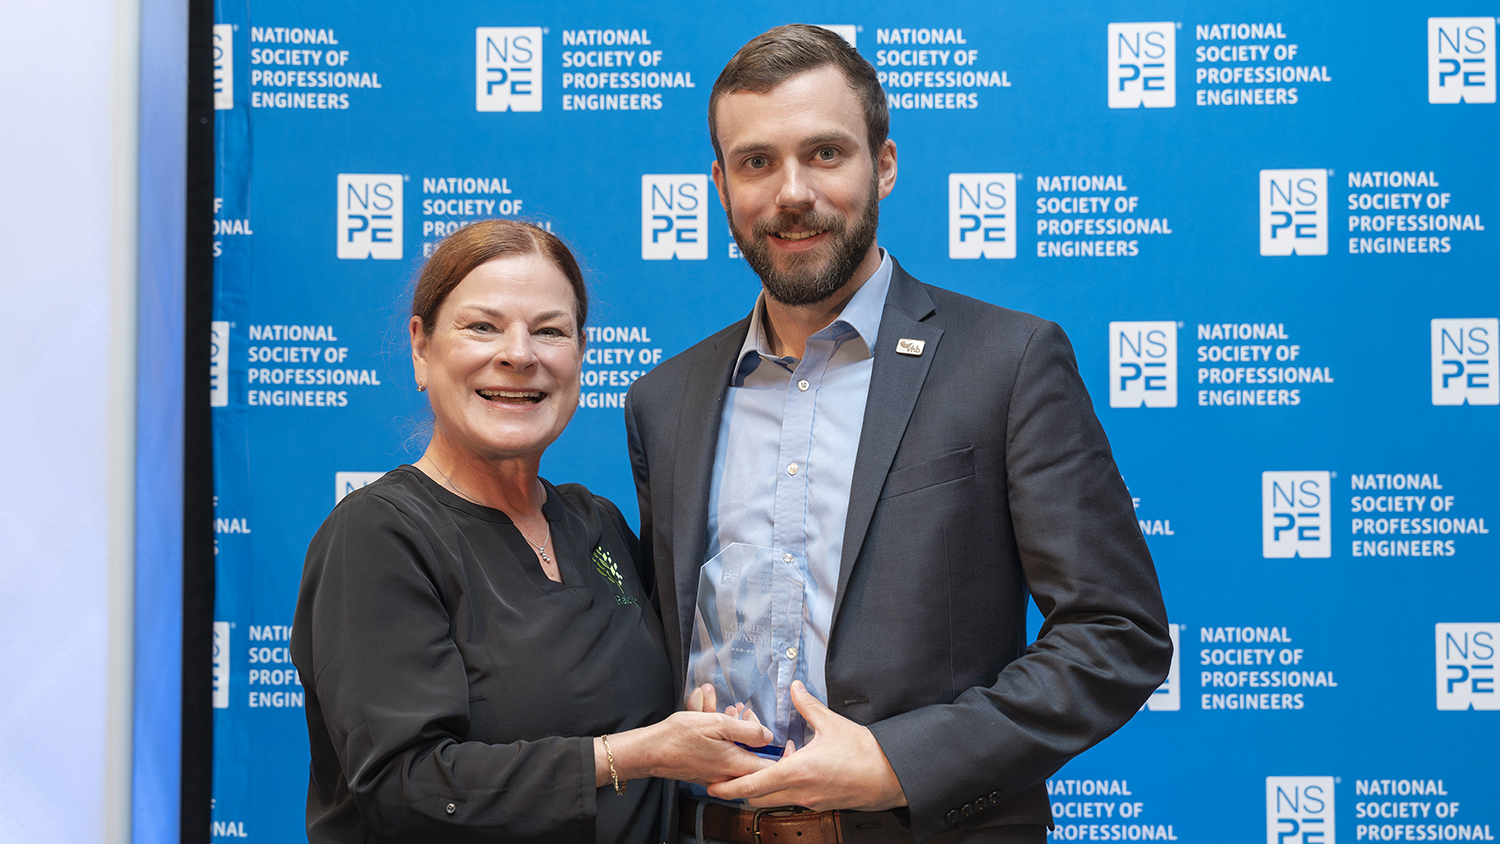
x=843 y=767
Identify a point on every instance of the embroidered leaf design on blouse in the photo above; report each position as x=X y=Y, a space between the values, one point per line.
x=605 y=564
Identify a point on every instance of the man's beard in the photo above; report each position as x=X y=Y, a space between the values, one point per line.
x=803 y=283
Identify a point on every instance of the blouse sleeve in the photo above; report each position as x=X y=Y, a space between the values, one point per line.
x=386 y=683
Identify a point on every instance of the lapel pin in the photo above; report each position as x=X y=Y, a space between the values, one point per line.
x=908 y=346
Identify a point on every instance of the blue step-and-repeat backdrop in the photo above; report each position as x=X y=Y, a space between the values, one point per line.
x=1268 y=228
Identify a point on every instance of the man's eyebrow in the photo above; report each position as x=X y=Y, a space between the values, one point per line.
x=828 y=138
x=750 y=147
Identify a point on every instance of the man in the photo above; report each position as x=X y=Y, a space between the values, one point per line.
x=928 y=460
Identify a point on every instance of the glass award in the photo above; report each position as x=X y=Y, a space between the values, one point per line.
x=747 y=630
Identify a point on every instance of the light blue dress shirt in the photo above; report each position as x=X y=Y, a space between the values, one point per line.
x=784 y=466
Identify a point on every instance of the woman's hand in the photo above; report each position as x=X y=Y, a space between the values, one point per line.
x=704 y=747
x=704 y=699
x=700 y=746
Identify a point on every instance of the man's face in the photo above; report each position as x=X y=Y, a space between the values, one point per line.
x=799 y=185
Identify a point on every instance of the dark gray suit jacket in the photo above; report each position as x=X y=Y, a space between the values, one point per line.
x=982 y=475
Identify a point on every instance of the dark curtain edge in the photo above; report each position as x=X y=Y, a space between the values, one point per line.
x=198 y=484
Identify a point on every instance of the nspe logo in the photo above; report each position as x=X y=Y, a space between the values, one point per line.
x=218 y=364
x=1299 y=810
x=369 y=216
x=1296 y=517
x=1460 y=60
x=981 y=215
x=1466 y=666
x=847 y=31
x=508 y=68
x=1465 y=362
x=223 y=65
x=221 y=665
x=1143 y=364
x=347 y=482
x=674 y=217
x=1294 y=212
x=1168 y=696
x=1142 y=65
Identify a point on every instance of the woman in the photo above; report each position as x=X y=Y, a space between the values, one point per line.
x=480 y=658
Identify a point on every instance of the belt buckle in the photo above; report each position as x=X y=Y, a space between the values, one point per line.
x=775 y=812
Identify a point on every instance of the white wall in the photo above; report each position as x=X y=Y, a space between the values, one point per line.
x=68 y=158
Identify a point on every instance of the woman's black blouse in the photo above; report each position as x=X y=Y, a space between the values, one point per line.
x=453 y=691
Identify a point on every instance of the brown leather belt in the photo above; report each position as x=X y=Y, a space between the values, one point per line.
x=784 y=825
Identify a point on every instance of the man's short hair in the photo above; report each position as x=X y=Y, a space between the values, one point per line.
x=781 y=53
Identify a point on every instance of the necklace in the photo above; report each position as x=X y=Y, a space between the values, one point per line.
x=541 y=550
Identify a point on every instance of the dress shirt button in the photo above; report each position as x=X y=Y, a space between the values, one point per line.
x=451 y=808
x=785 y=557
x=792 y=469
x=803 y=385
x=791 y=653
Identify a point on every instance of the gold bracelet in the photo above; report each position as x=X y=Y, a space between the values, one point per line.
x=610 y=756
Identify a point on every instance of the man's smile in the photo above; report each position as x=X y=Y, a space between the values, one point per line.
x=799 y=235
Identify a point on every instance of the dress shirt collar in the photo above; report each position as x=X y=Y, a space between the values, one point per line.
x=861 y=316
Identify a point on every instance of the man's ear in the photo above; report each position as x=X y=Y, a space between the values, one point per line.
x=718 y=174
x=885 y=168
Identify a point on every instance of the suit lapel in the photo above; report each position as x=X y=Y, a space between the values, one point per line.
x=701 y=410
x=895 y=383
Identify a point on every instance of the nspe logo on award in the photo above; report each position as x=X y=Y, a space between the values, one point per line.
x=674 y=217
x=369 y=216
x=1294 y=212
x=1465 y=361
x=1460 y=60
x=1142 y=62
x=1296 y=515
x=223 y=65
x=508 y=68
x=1466 y=666
x=981 y=215
x=1299 y=810
x=1143 y=364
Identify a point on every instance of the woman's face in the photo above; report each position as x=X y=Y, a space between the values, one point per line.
x=502 y=363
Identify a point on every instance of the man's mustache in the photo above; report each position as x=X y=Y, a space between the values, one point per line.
x=810 y=220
